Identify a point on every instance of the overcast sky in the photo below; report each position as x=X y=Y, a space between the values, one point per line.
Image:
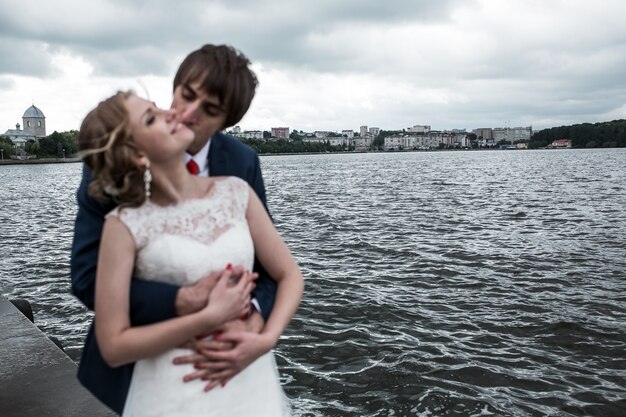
x=328 y=64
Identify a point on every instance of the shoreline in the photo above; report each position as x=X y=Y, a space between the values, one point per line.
x=76 y=159
x=416 y=150
x=40 y=161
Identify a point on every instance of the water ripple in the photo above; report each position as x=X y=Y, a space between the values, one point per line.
x=438 y=284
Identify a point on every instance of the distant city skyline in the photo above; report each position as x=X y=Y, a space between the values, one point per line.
x=327 y=65
x=369 y=130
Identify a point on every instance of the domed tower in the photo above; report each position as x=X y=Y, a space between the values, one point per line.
x=34 y=122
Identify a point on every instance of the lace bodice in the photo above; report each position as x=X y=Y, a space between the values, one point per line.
x=182 y=243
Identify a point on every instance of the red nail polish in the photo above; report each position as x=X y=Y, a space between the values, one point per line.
x=217 y=335
x=197 y=366
x=229 y=266
x=205 y=378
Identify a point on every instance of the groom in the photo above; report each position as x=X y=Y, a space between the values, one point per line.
x=213 y=89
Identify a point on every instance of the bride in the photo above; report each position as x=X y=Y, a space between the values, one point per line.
x=174 y=227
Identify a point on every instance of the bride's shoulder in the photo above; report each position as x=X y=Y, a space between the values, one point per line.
x=123 y=212
x=233 y=189
x=231 y=182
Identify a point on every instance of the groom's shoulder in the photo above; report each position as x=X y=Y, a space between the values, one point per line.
x=233 y=145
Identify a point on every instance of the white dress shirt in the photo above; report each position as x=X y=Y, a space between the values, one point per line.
x=201 y=158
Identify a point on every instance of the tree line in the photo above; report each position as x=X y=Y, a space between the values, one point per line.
x=293 y=146
x=55 y=145
x=585 y=135
x=6 y=147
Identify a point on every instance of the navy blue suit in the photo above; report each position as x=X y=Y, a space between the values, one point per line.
x=150 y=302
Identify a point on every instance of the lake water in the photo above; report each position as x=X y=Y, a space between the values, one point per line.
x=437 y=284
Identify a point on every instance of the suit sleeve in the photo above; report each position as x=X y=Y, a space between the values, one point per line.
x=265 y=291
x=150 y=302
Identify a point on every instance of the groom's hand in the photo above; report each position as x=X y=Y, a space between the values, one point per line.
x=219 y=359
x=223 y=365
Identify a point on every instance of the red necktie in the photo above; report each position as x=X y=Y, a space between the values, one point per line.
x=193 y=167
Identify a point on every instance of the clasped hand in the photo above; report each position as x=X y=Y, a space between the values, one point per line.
x=237 y=344
x=230 y=298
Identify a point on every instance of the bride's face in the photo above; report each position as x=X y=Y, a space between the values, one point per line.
x=157 y=133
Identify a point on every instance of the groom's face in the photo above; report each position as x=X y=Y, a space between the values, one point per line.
x=203 y=113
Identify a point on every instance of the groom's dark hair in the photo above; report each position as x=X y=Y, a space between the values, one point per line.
x=222 y=71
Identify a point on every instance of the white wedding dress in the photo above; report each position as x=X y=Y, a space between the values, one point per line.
x=179 y=245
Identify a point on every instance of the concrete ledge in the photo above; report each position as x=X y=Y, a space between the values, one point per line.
x=36 y=377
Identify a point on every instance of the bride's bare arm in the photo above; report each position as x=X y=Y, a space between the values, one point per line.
x=232 y=351
x=277 y=260
x=120 y=343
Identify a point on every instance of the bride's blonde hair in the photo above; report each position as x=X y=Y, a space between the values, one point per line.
x=108 y=149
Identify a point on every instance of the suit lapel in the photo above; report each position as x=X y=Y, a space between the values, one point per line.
x=218 y=157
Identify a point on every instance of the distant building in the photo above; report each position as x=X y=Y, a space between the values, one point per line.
x=484 y=132
x=34 y=127
x=374 y=131
x=251 y=134
x=512 y=134
x=462 y=141
x=561 y=143
x=486 y=143
x=448 y=138
x=313 y=139
x=421 y=141
x=235 y=130
x=280 y=132
x=340 y=141
x=419 y=129
x=348 y=133
x=363 y=130
x=400 y=142
x=363 y=143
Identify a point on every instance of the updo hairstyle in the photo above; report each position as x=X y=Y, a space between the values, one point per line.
x=108 y=149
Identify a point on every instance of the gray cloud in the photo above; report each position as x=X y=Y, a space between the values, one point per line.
x=6 y=83
x=24 y=57
x=462 y=62
x=143 y=31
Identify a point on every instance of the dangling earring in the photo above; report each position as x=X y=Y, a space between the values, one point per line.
x=147 y=179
